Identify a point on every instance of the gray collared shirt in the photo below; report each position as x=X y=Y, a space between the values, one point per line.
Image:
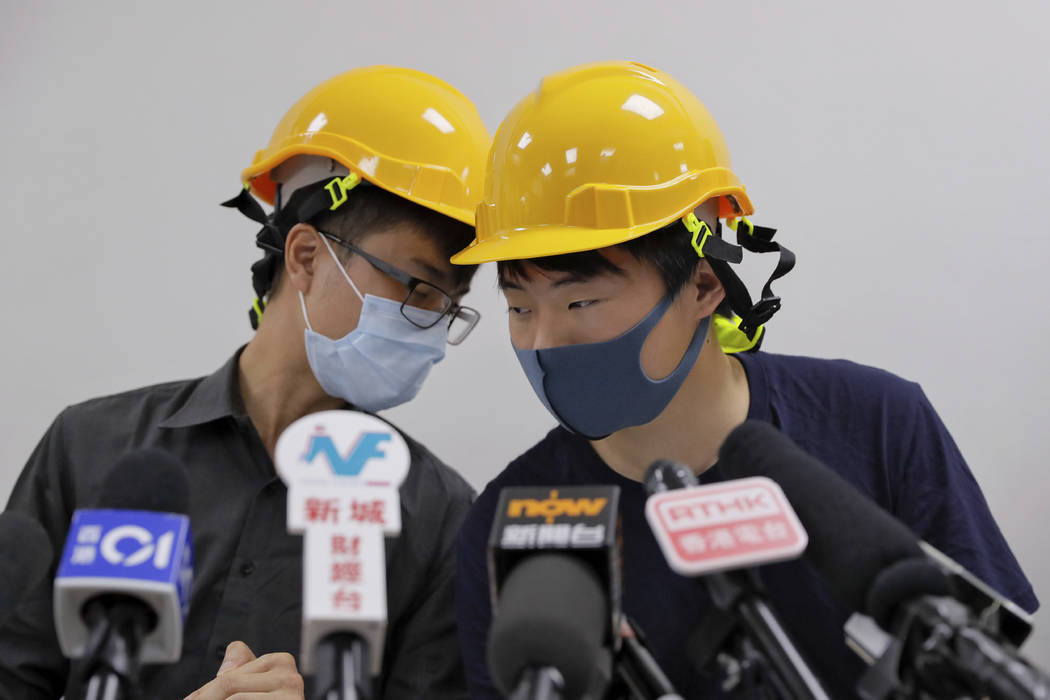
x=248 y=569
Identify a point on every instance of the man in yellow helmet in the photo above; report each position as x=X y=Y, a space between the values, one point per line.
x=374 y=176
x=606 y=196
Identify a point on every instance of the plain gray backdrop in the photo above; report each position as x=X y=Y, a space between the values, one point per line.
x=901 y=148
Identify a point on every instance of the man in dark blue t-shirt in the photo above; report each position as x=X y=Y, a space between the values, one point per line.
x=642 y=342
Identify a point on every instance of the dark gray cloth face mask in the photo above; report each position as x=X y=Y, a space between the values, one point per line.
x=595 y=389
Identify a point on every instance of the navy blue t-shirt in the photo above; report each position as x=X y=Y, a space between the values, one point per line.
x=878 y=431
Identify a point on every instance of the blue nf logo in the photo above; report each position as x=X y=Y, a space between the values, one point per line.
x=368 y=446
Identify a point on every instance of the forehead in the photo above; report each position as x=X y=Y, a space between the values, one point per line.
x=604 y=264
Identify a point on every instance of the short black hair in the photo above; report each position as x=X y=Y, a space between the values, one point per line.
x=668 y=249
x=370 y=209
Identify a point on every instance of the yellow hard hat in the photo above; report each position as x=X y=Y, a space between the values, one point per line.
x=597 y=155
x=400 y=129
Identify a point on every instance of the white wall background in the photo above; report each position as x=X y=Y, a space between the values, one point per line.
x=901 y=147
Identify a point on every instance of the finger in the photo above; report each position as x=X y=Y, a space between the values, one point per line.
x=237 y=654
x=273 y=673
x=234 y=684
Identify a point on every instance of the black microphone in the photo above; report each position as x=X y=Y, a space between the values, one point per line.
x=25 y=555
x=548 y=628
x=874 y=564
x=682 y=516
x=667 y=475
x=123 y=582
x=555 y=586
x=851 y=538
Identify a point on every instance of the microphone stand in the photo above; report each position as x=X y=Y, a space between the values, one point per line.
x=639 y=670
x=117 y=626
x=342 y=665
x=544 y=683
x=739 y=604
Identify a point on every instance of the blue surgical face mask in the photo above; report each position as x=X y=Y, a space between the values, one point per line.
x=380 y=364
x=595 y=389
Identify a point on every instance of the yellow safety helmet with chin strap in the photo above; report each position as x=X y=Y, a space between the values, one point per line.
x=400 y=129
x=597 y=155
x=604 y=153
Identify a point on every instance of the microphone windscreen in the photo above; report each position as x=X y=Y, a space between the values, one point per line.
x=25 y=556
x=552 y=611
x=902 y=581
x=667 y=475
x=146 y=479
x=851 y=539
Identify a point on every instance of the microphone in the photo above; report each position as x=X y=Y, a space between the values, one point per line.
x=555 y=586
x=124 y=578
x=665 y=475
x=713 y=531
x=343 y=469
x=874 y=564
x=25 y=555
x=548 y=628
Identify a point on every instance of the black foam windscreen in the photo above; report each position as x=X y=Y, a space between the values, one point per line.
x=552 y=612
x=667 y=475
x=25 y=556
x=851 y=539
x=146 y=479
x=903 y=581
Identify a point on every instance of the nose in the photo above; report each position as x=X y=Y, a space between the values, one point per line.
x=538 y=333
x=547 y=333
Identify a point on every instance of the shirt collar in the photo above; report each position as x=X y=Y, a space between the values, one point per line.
x=215 y=396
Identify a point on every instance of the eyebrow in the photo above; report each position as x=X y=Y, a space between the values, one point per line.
x=570 y=278
x=433 y=272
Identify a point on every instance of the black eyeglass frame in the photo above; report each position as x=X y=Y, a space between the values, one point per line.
x=452 y=309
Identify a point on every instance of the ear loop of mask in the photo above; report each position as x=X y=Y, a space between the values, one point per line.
x=306 y=317
x=341 y=268
x=302 y=299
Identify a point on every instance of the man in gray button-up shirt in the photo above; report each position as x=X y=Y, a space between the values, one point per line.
x=390 y=246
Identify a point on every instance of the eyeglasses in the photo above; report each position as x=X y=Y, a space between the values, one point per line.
x=423 y=298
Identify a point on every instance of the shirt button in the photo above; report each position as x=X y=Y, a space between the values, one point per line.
x=247 y=568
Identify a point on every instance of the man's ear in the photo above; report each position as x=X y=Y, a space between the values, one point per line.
x=705 y=290
x=704 y=287
x=301 y=248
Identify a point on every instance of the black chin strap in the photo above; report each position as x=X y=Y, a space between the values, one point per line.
x=305 y=204
x=759 y=239
x=719 y=254
x=270 y=240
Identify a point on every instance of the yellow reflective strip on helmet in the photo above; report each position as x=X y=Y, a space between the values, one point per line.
x=731 y=338
x=697 y=227
x=344 y=185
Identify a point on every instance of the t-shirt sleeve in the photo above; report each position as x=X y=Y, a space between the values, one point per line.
x=472 y=593
x=939 y=498
x=31 y=663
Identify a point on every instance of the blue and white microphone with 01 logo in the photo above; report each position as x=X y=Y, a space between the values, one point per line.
x=343 y=470
x=123 y=582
